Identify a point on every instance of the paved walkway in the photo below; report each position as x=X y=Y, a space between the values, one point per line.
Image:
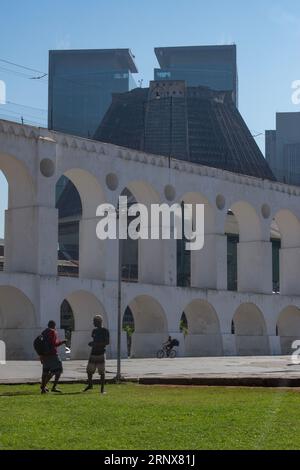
x=269 y=371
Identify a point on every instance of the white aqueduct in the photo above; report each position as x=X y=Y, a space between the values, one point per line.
x=31 y=292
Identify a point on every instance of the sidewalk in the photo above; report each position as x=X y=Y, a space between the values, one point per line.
x=249 y=371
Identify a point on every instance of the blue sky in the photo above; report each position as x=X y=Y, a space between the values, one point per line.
x=267 y=34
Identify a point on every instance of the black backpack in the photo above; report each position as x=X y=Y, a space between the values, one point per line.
x=41 y=344
x=175 y=342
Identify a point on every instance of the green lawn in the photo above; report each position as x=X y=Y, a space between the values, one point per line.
x=139 y=417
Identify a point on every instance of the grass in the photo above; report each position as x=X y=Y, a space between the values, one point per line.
x=133 y=416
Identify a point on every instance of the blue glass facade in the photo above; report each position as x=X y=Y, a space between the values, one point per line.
x=81 y=84
x=214 y=67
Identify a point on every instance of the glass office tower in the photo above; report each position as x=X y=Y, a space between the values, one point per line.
x=212 y=66
x=81 y=83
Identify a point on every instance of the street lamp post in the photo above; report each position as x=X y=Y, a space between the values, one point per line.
x=119 y=333
x=118 y=377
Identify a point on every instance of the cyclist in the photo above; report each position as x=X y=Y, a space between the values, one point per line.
x=168 y=345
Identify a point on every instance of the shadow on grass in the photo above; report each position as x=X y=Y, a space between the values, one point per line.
x=38 y=393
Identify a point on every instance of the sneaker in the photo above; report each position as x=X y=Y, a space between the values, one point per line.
x=44 y=391
x=56 y=390
x=88 y=387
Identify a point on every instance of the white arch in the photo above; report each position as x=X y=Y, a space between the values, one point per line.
x=288 y=328
x=143 y=192
x=151 y=327
x=289 y=228
x=250 y=331
x=204 y=336
x=209 y=210
x=248 y=221
x=21 y=188
x=90 y=190
x=17 y=323
x=151 y=253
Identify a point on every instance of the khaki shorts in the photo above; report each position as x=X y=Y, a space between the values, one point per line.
x=96 y=363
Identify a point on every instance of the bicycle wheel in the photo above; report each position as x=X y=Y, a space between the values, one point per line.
x=160 y=354
x=173 y=354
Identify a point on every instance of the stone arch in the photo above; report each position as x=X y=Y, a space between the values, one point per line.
x=90 y=190
x=19 y=216
x=199 y=268
x=151 y=259
x=150 y=326
x=289 y=228
x=204 y=335
x=17 y=323
x=209 y=210
x=143 y=192
x=253 y=255
x=250 y=331
x=21 y=188
x=248 y=221
x=289 y=253
x=288 y=328
x=85 y=306
x=85 y=254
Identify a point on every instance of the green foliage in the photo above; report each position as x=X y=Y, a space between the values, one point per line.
x=129 y=330
x=183 y=327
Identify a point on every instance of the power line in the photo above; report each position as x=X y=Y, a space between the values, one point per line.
x=44 y=80
x=26 y=106
x=15 y=72
x=22 y=66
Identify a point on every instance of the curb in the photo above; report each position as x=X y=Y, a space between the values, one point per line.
x=271 y=382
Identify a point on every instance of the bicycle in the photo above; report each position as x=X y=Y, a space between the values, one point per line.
x=164 y=352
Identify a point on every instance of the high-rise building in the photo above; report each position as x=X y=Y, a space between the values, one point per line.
x=81 y=83
x=214 y=67
x=283 y=148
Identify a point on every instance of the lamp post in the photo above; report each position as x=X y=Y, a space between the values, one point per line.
x=119 y=325
x=118 y=377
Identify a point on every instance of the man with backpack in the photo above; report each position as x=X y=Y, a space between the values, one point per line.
x=46 y=346
x=100 y=337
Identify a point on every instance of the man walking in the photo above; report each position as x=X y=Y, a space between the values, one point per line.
x=52 y=365
x=100 y=337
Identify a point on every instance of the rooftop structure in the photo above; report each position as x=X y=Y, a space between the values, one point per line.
x=195 y=124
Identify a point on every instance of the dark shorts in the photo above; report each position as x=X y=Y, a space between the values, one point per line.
x=52 y=364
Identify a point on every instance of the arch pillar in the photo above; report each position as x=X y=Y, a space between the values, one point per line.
x=288 y=329
x=250 y=331
x=92 y=251
x=151 y=329
x=289 y=271
x=17 y=324
x=209 y=265
x=255 y=267
x=204 y=334
x=31 y=240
